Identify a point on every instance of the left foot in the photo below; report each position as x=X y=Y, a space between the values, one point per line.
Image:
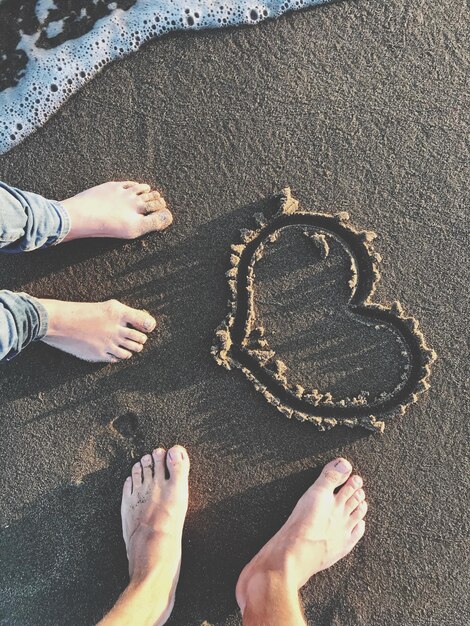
x=153 y=512
x=97 y=331
x=125 y=210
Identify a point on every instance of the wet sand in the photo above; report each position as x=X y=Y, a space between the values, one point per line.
x=357 y=107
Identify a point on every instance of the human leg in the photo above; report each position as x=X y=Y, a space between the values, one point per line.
x=29 y=222
x=123 y=210
x=105 y=331
x=23 y=319
x=98 y=332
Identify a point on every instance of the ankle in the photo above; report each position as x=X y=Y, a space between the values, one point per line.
x=145 y=573
x=53 y=317
x=145 y=603
x=260 y=585
x=151 y=554
x=82 y=224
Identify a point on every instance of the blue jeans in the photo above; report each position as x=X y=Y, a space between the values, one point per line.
x=27 y=222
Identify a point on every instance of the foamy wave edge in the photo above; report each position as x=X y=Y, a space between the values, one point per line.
x=52 y=76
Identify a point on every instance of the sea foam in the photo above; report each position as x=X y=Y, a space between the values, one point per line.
x=52 y=75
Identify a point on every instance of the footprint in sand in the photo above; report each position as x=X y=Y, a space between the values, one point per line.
x=306 y=332
x=126 y=425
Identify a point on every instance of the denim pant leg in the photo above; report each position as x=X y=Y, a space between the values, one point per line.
x=27 y=222
x=23 y=319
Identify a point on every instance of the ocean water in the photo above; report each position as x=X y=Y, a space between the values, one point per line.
x=49 y=50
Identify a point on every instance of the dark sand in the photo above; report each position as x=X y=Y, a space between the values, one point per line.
x=356 y=106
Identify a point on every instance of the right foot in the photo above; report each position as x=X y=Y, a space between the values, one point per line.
x=102 y=331
x=153 y=512
x=323 y=527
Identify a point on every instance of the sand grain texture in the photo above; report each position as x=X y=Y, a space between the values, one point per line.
x=359 y=107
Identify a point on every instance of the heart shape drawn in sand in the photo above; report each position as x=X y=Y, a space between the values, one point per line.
x=240 y=341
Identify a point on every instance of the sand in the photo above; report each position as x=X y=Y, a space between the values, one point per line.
x=358 y=107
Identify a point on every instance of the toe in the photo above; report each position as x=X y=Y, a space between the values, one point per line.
x=159 y=456
x=110 y=358
x=157 y=220
x=177 y=462
x=358 y=513
x=154 y=205
x=357 y=497
x=139 y=188
x=152 y=195
x=358 y=531
x=126 y=505
x=127 y=489
x=334 y=474
x=120 y=353
x=153 y=201
x=141 y=320
x=132 y=346
x=133 y=335
x=348 y=489
x=136 y=476
x=147 y=473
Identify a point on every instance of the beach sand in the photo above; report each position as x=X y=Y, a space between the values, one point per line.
x=357 y=107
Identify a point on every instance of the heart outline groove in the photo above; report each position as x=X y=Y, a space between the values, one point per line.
x=240 y=342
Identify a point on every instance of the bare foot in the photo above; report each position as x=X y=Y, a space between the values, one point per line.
x=102 y=331
x=321 y=530
x=125 y=210
x=153 y=511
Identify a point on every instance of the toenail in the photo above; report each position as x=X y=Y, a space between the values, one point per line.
x=149 y=324
x=342 y=466
x=165 y=217
x=359 y=494
x=175 y=454
x=159 y=452
x=357 y=481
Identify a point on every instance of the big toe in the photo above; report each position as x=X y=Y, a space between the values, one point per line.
x=176 y=487
x=157 y=220
x=334 y=474
x=177 y=461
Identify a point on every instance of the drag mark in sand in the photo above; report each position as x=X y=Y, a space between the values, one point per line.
x=241 y=342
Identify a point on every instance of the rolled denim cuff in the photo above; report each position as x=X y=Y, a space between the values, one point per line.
x=43 y=316
x=65 y=222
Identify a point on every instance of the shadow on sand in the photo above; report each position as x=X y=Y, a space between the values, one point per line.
x=82 y=564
